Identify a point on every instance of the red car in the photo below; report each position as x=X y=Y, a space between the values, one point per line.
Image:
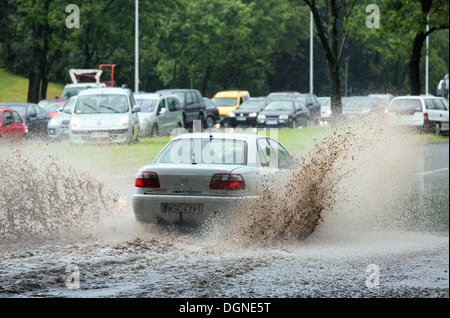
x=12 y=125
x=52 y=106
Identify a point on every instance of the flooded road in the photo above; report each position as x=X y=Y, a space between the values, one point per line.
x=386 y=235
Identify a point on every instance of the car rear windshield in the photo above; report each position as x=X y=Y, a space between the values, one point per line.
x=147 y=105
x=205 y=151
x=406 y=105
x=225 y=101
x=91 y=104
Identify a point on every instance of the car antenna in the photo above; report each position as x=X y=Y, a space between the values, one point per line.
x=210 y=135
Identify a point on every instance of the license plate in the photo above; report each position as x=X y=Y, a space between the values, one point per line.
x=241 y=118
x=99 y=134
x=182 y=208
x=272 y=122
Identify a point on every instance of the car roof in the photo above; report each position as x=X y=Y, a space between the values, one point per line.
x=153 y=95
x=16 y=104
x=221 y=135
x=3 y=109
x=106 y=90
x=177 y=90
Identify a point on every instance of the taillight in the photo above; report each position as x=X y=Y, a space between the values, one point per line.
x=146 y=180
x=227 y=181
x=425 y=116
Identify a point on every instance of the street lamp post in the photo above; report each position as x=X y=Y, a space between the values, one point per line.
x=311 y=87
x=136 y=48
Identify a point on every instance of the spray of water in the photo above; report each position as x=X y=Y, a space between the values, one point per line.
x=353 y=177
x=44 y=196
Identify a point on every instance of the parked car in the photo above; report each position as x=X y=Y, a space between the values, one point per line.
x=160 y=113
x=428 y=113
x=310 y=101
x=246 y=114
x=325 y=109
x=357 y=106
x=58 y=126
x=227 y=101
x=192 y=105
x=284 y=113
x=36 y=118
x=197 y=176
x=52 y=106
x=12 y=125
x=212 y=113
x=381 y=101
x=104 y=115
x=74 y=89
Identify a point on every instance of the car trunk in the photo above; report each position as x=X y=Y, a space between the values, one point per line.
x=188 y=179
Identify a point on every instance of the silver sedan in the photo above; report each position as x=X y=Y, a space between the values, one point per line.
x=198 y=176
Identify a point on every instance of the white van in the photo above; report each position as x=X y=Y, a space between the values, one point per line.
x=427 y=112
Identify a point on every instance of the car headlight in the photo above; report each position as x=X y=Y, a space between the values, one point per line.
x=252 y=114
x=54 y=122
x=261 y=117
x=123 y=121
x=76 y=122
x=231 y=114
x=284 y=117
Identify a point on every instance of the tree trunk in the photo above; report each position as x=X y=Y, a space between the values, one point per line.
x=414 y=64
x=33 y=87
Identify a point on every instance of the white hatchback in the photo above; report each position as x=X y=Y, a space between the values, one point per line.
x=429 y=113
x=104 y=115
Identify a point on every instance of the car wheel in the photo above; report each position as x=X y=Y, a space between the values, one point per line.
x=293 y=123
x=209 y=123
x=437 y=129
x=154 y=131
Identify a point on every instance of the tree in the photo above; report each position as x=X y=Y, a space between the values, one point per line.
x=332 y=30
x=409 y=19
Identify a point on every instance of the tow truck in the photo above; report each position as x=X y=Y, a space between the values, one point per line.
x=78 y=83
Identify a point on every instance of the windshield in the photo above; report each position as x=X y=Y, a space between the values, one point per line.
x=406 y=105
x=253 y=104
x=53 y=107
x=280 y=105
x=325 y=102
x=147 y=105
x=204 y=151
x=89 y=104
x=225 y=101
x=71 y=91
x=356 y=102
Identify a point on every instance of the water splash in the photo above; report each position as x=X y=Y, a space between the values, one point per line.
x=44 y=196
x=355 y=174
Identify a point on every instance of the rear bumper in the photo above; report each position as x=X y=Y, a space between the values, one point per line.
x=149 y=208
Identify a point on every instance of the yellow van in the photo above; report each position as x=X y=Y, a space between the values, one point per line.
x=227 y=101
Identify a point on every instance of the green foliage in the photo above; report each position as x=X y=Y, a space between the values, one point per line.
x=260 y=46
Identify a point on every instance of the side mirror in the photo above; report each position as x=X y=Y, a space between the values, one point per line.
x=136 y=109
x=162 y=111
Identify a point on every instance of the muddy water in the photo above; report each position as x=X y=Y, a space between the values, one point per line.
x=339 y=225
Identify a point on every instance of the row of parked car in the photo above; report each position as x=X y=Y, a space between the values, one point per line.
x=116 y=115
x=427 y=112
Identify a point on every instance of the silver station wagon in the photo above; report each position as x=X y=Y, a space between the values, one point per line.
x=200 y=175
